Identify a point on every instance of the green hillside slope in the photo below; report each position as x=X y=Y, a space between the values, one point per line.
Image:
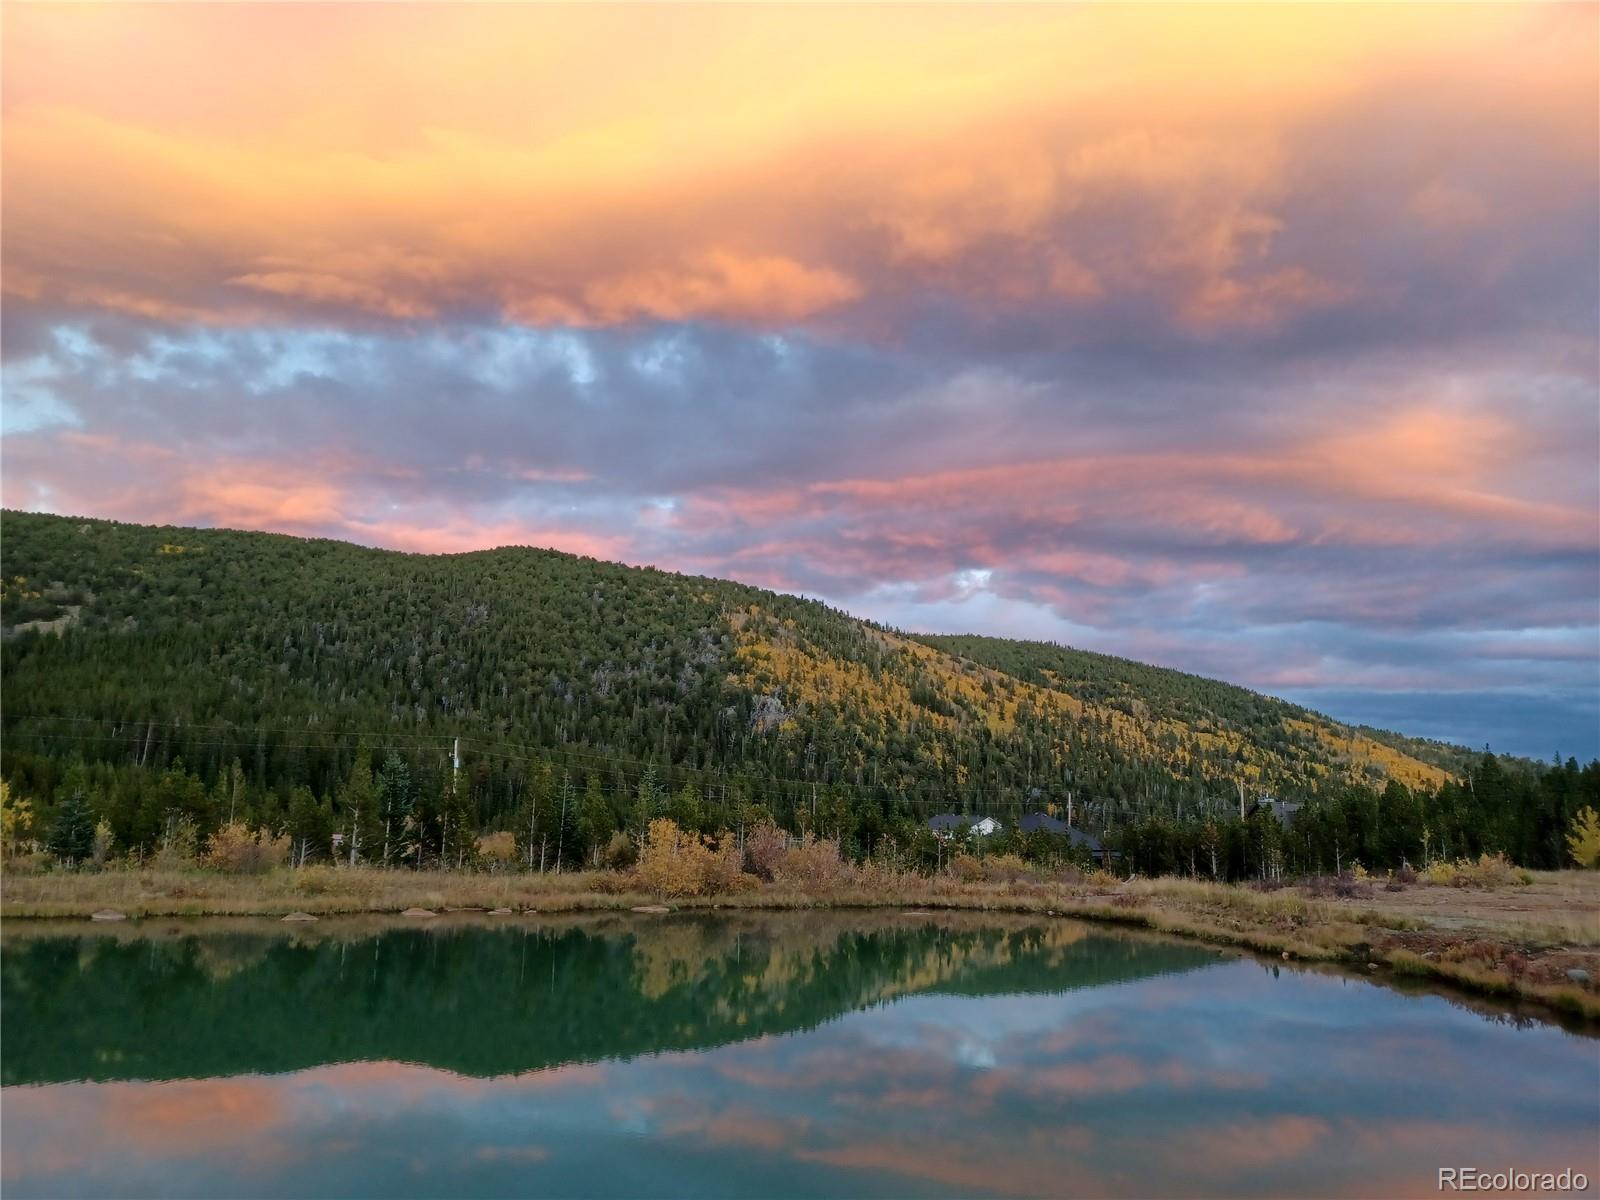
x=128 y=648
x=195 y=629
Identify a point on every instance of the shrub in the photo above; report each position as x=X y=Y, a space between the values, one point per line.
x=672 y=862
x=315 y=880
x=613 y=883
x=103 y=837
x=1488 y=871
x=675 y=862
x=1348 y=885
x=237 y=848
x=1441 y=873
x=1009 y=868
x=179 y=845
x=498 y=851
x=965 y=868
x=881 y=877
x=725 y=871
x=33 y=862
x=764 y=847
x=1491 y=870
x=619 y=853
x=813 y=864
x=994 y=868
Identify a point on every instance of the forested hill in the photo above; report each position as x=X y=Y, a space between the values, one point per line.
x=137 y=644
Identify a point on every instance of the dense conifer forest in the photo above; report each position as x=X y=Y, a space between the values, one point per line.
x=161 y=682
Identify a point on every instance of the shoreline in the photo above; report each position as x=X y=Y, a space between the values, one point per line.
x=1517 y=944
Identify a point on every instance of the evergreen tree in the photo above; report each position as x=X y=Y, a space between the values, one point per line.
x=534 y=822
x=310 y=826
x=567 y=818
x=72 y=832
x=456 y=833
x=686 y=810
x=358 y=810
x=396 y=798
x=646 y=805
x=596 y=821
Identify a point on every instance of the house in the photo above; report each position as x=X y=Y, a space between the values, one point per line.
x=1091 y=844
x=949 y=825
x=1045 y=823
x=1284 y=810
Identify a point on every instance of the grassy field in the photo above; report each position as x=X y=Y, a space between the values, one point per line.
x=1515 y=941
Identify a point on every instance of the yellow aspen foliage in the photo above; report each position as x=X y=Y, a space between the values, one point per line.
x=16 y=820
x=1583 y=839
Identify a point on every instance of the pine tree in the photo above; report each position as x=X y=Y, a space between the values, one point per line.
x=236 y=794
x=310 y=826
x=686 y=810
x=596 y=821
x=396 y=797
x=567 y=818
x=534 y=818
x=72 y=832
x=358 y=807
x=457 y=836
x=646 y=805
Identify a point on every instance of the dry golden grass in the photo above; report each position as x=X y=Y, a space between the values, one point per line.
x=322 y=889
x=1557 y=908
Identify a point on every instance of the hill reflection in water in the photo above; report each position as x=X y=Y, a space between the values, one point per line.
x=494 y=1000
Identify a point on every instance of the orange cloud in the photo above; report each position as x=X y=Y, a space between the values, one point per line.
x=1428 y=472
x=322 y=495
x=257 y=496
x=320 y=287
x=567 y=165
x=722 y=284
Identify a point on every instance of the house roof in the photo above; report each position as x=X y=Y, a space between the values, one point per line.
x=1037 y=821
x=1284 y=810
x=954 y=822
x=1049 y=824
x=1080 y=838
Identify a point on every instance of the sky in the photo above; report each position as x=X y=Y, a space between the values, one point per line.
x=1260 y=342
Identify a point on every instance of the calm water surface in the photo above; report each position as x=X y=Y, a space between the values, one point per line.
x=793 y=1055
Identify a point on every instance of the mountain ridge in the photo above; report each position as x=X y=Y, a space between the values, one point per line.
x=564 y=649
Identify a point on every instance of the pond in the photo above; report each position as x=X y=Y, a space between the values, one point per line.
x=881 y=1054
